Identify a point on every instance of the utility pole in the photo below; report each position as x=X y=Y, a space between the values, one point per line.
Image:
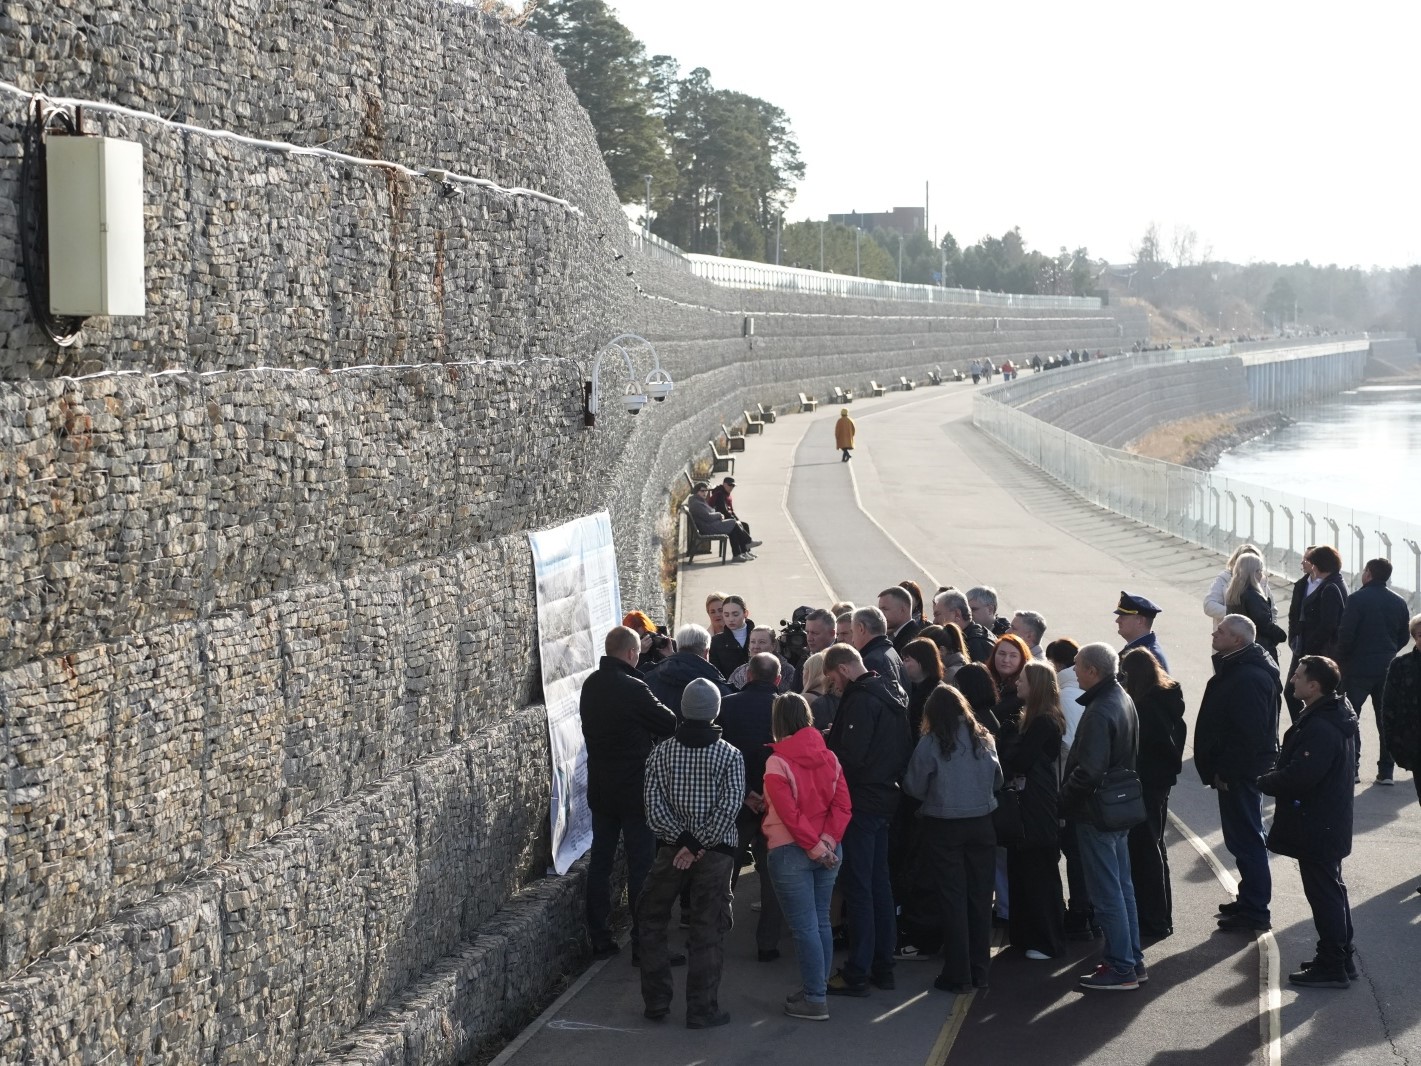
x=900 y=259
x=821 y=247
x=927 y=203
x=646 y=227
x=858 y=266
x=718 y=245
x=779 y=228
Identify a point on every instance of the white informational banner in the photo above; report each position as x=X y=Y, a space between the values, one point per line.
x=578 y=602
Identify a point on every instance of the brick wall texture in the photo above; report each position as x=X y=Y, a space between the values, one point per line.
x=274 y=758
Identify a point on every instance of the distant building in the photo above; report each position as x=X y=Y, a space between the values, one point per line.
x=904 y=220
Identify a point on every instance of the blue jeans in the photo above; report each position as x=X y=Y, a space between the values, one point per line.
x=640 y=844
x=1241 y=817
x=803 y=888
x=868 y=898
x=1106 y=860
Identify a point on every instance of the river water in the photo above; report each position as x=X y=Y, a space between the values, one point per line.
x=1362 y=450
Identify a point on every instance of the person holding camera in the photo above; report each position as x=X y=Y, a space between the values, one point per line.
x=656 y=646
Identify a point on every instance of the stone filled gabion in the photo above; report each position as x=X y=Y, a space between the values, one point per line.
x=275 y=759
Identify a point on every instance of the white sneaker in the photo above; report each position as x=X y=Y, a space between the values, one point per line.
x=756 y=543
x=1037 y=956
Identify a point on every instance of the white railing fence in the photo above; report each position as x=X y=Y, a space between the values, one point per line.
x=1205 y=509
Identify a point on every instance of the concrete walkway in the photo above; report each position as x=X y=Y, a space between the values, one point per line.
x=930 y=498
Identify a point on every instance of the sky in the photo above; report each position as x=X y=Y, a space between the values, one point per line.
x=1276 y=131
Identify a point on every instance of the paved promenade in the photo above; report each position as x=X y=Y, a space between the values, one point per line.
x=928 y=497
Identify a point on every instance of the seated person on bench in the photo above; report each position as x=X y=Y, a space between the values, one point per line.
x=708 y=522
x=720 y=500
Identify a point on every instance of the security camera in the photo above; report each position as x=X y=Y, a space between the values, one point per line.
x=659 y=385
x=634 y=402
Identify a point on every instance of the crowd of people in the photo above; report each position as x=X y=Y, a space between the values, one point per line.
x=905 y=775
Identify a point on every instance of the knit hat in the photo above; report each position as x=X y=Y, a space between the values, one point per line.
x=700 y=702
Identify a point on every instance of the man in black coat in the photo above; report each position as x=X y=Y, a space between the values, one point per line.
x=1312 y=821
x=1372 y=631
x=745 y=723
x=669 y=678
x=870 y=637
x=951 y=607
x=873 y=741
x=621 y=722
x=1235 y=741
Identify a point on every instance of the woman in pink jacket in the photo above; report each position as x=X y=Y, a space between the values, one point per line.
x=806 y=812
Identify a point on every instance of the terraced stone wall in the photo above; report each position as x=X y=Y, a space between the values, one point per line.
x=274 y=760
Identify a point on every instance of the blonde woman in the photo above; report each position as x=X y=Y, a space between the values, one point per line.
x=823 y=700
x=1215 y=603
x=713 y=602
x=1248 y=595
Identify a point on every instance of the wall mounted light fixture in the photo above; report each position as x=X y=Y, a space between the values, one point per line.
x=657 y=386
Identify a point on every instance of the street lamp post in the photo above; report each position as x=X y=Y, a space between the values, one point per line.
x=900 y=259
x=858 y=265
x=779 y=228
x=646 y=220
x=718 y=245
x=821 y=247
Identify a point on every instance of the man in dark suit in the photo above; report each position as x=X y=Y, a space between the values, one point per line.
x=621 y=722
x=896 y=603
x=1372 y=631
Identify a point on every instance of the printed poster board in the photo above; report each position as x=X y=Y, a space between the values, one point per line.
x=575 y=566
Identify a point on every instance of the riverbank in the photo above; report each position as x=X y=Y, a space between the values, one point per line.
x=1198 y=442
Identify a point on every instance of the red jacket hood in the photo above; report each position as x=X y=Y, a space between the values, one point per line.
x=805 y=750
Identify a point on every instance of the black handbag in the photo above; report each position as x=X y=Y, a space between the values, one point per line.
x=1006 y=818
x=1118 y=802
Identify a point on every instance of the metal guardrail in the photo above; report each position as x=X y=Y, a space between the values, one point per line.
x=1204 y=508
x=745 y=274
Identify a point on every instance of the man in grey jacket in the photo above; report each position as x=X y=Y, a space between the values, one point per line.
x=1372 y=631
x=1107 y=738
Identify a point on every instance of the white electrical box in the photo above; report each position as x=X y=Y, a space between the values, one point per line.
x=95 y=191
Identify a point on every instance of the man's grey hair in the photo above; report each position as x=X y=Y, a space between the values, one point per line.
x=693 y=638
x=983 y=594
x=1035 y=621
x=872 y=620
x=763 y=667
x=1100 y=658
x=1240 y=626
x=1415 y=621
x=952 y=600
x=821 y=616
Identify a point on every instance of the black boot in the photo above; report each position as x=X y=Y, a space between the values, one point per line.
x=1327 y=969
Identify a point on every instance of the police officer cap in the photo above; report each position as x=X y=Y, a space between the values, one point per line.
x=1136 y=605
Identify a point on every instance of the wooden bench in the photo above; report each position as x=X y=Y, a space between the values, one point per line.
x=734 y=442
x=698 y=543
x=690 y=481
x=842 y=395
x=906 y=385
x=875 y=388
x=767 y=414
x=753 y=423
x=807 y=403
x=721 y=462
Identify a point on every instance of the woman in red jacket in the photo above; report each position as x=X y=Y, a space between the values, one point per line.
x=806 y=812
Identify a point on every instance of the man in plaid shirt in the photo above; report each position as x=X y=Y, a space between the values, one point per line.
x=695 y=786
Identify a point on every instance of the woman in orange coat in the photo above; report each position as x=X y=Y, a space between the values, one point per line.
x=844 y=434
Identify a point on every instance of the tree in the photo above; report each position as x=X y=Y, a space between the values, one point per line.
x=1282 y=302
x=1148 y=251
x=608 y=70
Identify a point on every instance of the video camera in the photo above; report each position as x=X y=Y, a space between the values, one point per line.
x=793 y=644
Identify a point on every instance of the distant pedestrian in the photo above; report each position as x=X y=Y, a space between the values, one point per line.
x=806 y=814
x=695 y=785
x=1235 y=741
x=1135 y=622
x=1312 y=820
x=1159 y=703
x=1372 y=631
x=844 y=435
